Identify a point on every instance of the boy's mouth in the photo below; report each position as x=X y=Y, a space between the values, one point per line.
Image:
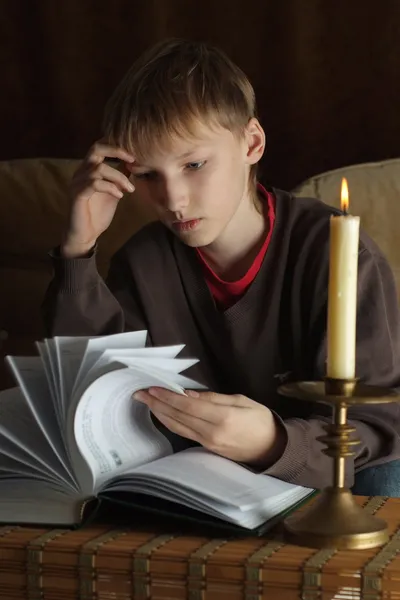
x=186 y=225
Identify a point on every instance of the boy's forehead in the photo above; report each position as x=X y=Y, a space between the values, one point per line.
x=182 y=145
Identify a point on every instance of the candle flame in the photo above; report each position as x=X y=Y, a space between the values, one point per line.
x=344 y=196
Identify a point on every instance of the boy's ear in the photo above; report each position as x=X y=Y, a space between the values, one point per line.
x=255 y=141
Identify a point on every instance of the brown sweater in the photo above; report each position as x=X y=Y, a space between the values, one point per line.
x=276 y=330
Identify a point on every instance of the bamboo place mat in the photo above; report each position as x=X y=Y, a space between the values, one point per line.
x=99 y=562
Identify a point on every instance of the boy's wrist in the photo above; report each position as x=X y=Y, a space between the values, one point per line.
x=70 y=249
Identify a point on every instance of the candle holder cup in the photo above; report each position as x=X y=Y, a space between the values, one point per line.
x=334 y=519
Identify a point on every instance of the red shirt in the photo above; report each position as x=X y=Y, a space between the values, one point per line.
x=226 y=293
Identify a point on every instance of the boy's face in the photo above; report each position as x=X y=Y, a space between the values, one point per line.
x=198 y=183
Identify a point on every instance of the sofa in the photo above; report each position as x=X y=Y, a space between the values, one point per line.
x=34 y=205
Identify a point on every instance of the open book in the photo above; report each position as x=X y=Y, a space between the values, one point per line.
x=71 y=432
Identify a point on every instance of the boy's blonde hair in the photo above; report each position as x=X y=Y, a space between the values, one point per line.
x=169 y=89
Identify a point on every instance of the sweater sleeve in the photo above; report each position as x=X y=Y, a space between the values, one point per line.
x=378 y=363
x=79 y=302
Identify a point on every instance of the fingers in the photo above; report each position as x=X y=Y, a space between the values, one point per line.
x=213 y=398
x=95 y=175
x=104 y=171
x=183 y=423
x=236 y=400
x=98 y=185
x=178 y=406
x=100 y=151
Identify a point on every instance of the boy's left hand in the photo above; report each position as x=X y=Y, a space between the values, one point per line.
x=233 y=426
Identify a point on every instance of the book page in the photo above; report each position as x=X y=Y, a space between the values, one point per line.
x=52 y=356
x=22 y=444
x=169 y=365
x=112 y=431
x=211 y=475
x=205 y=481
x=32 y=380
x=169 y=379
x=69 y=353
x=97 y=345
x=16 y=460
x=112 y=360
x=155 y=356
x=180 y=497
x=148 y=352
x=50 y=375
x=51 y=353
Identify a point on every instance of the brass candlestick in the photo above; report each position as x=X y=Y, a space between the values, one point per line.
x=335 y=519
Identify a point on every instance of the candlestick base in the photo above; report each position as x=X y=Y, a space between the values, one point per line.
x=335 y=519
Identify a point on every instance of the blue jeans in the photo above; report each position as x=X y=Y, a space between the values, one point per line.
x=383 y=480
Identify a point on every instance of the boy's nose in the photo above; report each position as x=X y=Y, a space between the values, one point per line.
x=175 y=198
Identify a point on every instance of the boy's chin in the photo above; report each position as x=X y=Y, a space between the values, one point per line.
x=195 y=239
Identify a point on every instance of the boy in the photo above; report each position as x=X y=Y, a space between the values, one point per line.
x=235 y=271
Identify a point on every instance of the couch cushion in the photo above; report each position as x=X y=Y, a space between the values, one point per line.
x=26 y=284
x=34 y=207
x=374 y=190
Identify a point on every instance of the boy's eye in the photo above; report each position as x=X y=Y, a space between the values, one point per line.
x=195 y=166
x=148 y=175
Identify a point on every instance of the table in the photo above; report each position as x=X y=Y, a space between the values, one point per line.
x=99 y=562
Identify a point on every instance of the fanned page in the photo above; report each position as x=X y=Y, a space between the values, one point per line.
x=130 y=341
x=31 y=377
x=69 y=353
x=33 y=486
x=213 y=485
x=50 y=373
x=114 y=433
x=24 y=450
x=64 y=360
x=112 y=360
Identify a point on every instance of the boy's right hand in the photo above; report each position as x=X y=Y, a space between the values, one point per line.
x=96 y=189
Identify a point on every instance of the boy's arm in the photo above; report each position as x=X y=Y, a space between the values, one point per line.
x=79 y=302
x=378 y=363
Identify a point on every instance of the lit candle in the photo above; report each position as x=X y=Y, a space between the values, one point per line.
x=342 y=293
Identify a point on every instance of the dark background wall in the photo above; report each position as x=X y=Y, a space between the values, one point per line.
x=327 y=73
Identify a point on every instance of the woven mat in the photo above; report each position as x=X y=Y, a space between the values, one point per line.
x=102 y=563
